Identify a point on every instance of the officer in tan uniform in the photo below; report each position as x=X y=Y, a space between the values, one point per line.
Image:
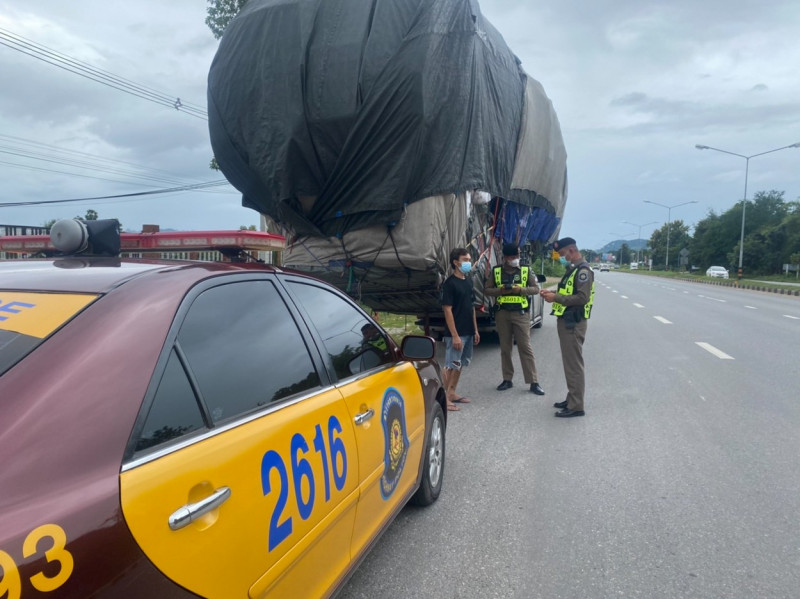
x=572 y=304
x=513 y=285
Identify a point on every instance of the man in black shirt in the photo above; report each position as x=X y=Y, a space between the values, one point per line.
x=461 y=332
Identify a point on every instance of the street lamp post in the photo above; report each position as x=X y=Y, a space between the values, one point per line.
x=744 y=200
x=669 y=217
x=639 y=253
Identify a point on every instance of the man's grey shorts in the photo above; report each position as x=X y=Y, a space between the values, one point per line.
x=455 y=359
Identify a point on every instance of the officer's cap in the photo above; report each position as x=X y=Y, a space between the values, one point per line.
x=510 y=249
x=563 y=242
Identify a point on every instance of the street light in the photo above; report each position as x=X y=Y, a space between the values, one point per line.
x=627 y=222
x=744 y=200
x=669 y=215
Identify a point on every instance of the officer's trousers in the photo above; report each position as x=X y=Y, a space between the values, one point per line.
x=516 y=325
x=571 y=341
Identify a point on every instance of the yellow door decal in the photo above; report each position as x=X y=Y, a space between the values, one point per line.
x=285 y=527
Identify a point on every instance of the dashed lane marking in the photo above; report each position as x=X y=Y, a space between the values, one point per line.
x=662 y=319
x=713 y=350
x=792 y=317
x=751 y=307
x=713 y=299
x=624 y=296
x=638 y=305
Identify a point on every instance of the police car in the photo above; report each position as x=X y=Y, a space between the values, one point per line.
x=177 y=429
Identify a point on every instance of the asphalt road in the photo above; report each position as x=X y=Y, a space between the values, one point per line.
x=682 y=480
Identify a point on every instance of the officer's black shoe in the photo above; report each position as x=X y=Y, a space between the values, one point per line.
x=505 y=385
x=565 y=413
x=537 y=389
x=561 y=405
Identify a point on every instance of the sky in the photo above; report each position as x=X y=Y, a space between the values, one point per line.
x=635 y=84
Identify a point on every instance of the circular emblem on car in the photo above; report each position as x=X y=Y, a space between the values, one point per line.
x=393 y=418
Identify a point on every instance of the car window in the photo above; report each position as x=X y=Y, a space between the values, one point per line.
x=174 y=411
x=244 y=349
x=353 y=342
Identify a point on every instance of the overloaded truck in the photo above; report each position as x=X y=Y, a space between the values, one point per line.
x=378 y=135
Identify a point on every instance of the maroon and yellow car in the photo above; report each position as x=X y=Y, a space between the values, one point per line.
x=201 y=429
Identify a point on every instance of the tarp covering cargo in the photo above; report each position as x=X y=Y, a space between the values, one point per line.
x=335 y=118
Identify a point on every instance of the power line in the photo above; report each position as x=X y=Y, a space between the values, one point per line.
x=194 y=187
x=18 y=146
x=72 y=65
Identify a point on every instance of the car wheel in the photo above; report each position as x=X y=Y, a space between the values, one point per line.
x=433 y=461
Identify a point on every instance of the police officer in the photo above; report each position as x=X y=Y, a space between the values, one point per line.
x=513 y=285
x=572 y=304
x=372 y=337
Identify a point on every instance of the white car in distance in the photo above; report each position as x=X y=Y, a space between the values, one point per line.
x=717 y=272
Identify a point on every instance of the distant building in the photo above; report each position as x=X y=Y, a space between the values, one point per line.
x=16 y=230
x=31 y=242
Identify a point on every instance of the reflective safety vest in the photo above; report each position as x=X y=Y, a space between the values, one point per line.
x=513 y=301
x=566 y=289
x=379 y=344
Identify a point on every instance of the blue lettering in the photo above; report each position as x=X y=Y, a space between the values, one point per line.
x=12 y=308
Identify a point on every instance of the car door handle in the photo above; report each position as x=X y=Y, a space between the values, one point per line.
x=364 y=416
x=192 y=511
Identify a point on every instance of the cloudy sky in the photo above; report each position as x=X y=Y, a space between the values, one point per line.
x=636 y=84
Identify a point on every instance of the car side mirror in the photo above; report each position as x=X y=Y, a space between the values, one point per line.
x=541 y=278
x=365 y=360
x=418 y=347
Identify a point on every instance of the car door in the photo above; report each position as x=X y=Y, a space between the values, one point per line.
x=384 y=396
x=243 y=468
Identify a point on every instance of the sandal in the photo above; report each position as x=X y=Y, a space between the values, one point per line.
x=461 y=400
x=451 y=407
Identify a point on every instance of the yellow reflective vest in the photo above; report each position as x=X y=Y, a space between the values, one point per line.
x=567 y=289
x=515 y=301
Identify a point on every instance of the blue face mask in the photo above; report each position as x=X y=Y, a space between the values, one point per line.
x=563 y=260
x=466 y=267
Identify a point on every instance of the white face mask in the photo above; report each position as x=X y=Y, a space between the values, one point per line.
x=514 y=262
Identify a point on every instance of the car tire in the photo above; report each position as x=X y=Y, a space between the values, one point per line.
x=433 y=461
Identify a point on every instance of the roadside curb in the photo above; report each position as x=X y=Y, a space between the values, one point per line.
x=749 y=287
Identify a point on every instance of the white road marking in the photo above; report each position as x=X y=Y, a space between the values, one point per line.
x=662 y=319
x=624 y=296
x=615 y=291
x=638 y=305
x=686 y=292
x=792 y=317
x=713 y=350
x=751 y=307
x=713 y=299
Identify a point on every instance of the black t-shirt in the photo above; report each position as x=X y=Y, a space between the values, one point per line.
x=459 y=294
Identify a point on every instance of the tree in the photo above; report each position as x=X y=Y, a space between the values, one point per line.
x=214 y=165
x=711 y=242
x=767 y=208
x=220 y=13
x=624 y=254
x=678 y=238
x=49 y=224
